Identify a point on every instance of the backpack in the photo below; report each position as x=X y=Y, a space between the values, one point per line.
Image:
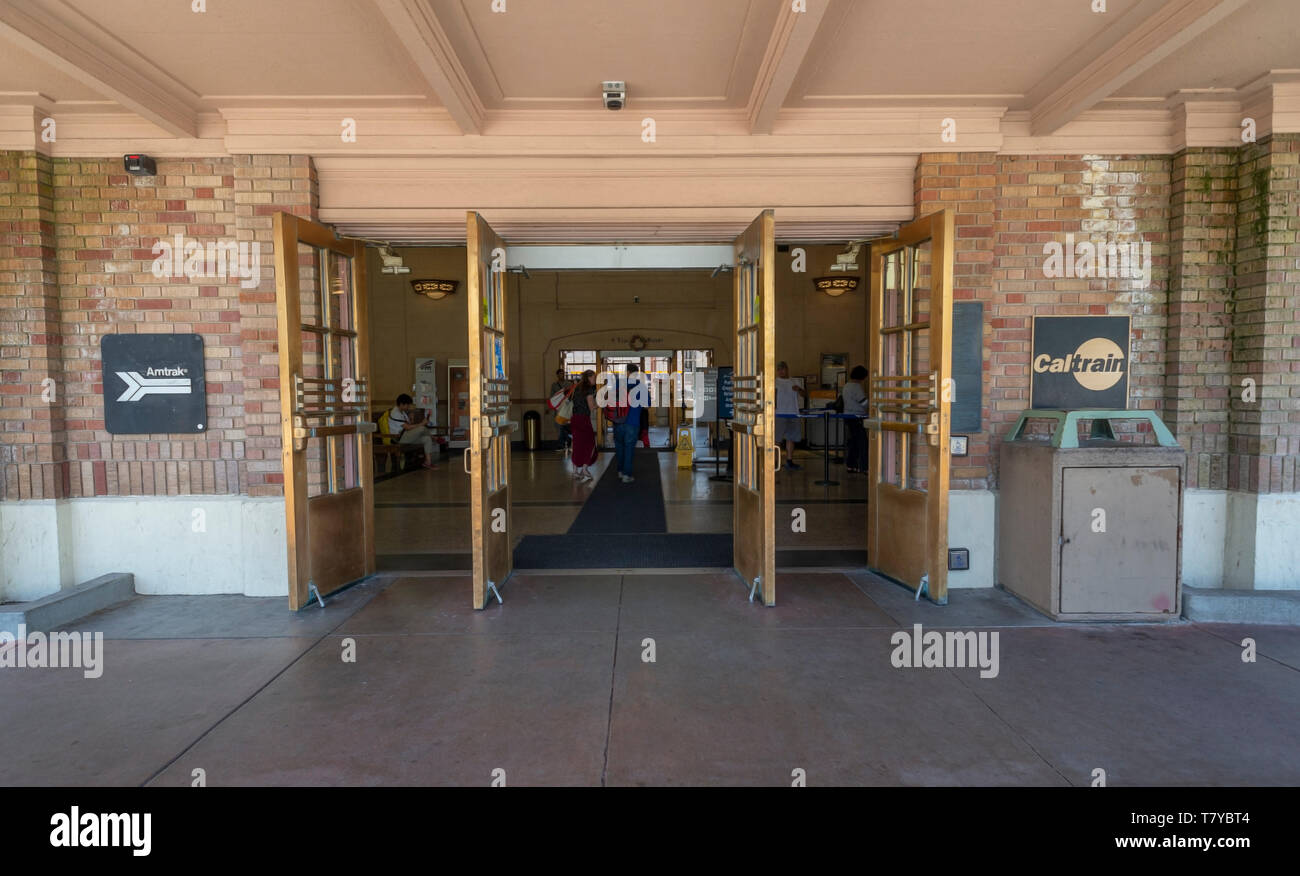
x=384 y=435
x=839 y=403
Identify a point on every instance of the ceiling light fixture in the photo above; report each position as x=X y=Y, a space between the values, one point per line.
x=434 y=290
x=836 y=286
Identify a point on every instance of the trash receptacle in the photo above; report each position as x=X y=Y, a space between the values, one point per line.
x=1091 y=528
x=532 y=429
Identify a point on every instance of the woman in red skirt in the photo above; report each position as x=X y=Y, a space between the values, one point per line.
x=584 y=435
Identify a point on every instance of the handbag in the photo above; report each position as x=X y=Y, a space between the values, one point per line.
x=555 y=401
x=564 y=412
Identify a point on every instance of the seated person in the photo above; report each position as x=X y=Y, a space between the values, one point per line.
x=404 y=424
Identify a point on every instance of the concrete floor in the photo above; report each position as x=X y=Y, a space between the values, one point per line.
x=551 y=687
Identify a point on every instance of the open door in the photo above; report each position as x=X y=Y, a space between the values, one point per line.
x=325 y=426
x=754 y=385
x=488 y=456
x=909 y=395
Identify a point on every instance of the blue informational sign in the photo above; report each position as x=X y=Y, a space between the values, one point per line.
x=725 y=409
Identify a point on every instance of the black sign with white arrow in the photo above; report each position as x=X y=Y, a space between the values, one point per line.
x=153 y=384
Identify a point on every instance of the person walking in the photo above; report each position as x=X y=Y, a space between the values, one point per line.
x=584 y=434
x=566 y=431
x=855 y=405
x=787 y=402
x=626 y=417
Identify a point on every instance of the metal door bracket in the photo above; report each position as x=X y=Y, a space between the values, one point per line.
x=754 y=589
x=492 y=589
x=312 y=591
x=923 y=588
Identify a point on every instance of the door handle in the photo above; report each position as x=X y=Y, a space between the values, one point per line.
x=778 y=457
x=465 y=463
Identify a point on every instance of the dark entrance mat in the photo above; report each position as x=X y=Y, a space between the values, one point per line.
x=424 y=562
x=654 y=550
x=614 y=506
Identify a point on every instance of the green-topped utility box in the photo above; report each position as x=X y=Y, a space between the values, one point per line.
x=1090 y=528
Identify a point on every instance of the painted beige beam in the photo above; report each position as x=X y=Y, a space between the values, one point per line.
x=1139 y=47
x=792 y=36
x=47 y=31
x=429 y=47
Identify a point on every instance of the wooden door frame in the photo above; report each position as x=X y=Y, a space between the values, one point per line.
x=760 y=236
x=288 y=231
x=480 y=238
x=939 y=228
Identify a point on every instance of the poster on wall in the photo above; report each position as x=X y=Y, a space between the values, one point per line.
x=726 y=409
x=154 y=384
x=1080 y=362
x=706 y=400
x=424 y=389
x=835 y=368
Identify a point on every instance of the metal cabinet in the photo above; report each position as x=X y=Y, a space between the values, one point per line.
x=1091 y=529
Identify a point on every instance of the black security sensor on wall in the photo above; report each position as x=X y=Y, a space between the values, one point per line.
x=139 y=165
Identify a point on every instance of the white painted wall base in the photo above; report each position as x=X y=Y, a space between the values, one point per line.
x=36 y=549
x=173 y=545
x=237 y=544
x=1262 y=543
x=1205 y=520
x=972 y=524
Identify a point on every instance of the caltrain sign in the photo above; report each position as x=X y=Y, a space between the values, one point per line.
x=1080 y=362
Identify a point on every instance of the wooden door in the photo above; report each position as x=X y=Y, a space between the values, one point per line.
x=325 y=424
x=755 y=457
x=909 y=392
x=488 y=456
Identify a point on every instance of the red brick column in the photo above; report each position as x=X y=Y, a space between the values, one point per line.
x=32 y=390
x=1203 y=231
x=265 y=185
x=966 y=183
x=1265 y=332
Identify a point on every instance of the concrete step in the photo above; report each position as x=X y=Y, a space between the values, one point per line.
x=1241 y=606
x=67 y=606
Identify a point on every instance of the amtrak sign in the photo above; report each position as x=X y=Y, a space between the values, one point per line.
x=153 y=384
x=1080 y=362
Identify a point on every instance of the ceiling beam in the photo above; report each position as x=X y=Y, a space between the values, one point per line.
x=96 y=58
x=792 y=36
x=427 y=43
x=1128 y=49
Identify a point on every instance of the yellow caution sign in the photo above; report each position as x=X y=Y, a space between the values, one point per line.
x=685 y=447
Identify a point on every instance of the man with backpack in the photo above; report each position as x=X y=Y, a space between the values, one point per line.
x=625 y=415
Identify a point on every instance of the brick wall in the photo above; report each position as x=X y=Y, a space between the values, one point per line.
x=1265 y=306
x=83 y=262
x=1007 y=208
x=1203 y=239
x=31 y=362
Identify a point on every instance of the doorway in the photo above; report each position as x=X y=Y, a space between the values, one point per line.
x=746 y=509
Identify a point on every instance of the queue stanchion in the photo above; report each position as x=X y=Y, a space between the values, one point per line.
x=717 y=454
x=826 y=450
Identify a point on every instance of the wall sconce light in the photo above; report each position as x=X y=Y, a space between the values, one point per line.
x=836 y=286
x=434 y=289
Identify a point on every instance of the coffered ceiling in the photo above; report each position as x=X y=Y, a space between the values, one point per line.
x=818 y=107
x=756 y=60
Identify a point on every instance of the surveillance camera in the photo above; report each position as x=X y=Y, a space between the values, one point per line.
x=614 y=93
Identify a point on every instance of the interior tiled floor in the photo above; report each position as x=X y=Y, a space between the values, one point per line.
x=427 y=511
x=554 y=687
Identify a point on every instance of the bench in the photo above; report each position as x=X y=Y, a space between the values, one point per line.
x=385 y=447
